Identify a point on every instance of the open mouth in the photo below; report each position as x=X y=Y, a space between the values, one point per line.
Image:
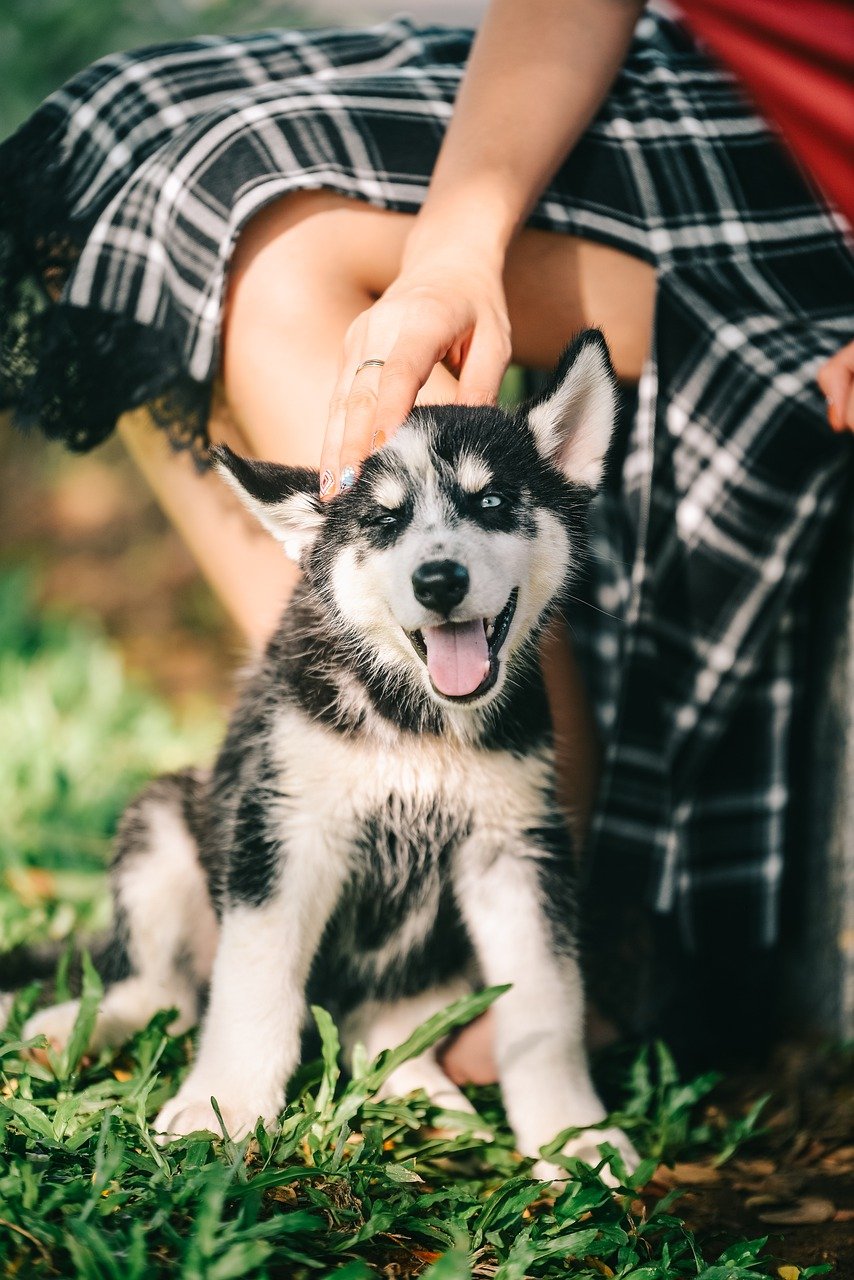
x=462 y=657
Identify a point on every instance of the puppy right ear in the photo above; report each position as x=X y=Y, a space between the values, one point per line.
x=283 y=499
x=572 y=421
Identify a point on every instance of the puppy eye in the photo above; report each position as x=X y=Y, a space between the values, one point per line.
x=489 y=501
x=384 y=518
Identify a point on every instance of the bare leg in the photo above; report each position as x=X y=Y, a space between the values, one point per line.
x=245 y=567
x=333 y=257
x=577 y=748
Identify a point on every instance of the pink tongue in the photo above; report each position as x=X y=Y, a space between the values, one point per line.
x=457 y=656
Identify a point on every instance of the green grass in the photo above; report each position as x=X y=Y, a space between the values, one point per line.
x=347 y=1186
x=78 y=739
x=42 y=45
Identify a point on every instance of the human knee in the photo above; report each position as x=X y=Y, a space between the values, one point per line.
x=286 y=257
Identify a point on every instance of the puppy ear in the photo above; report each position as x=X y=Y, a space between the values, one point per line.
x=283 y=499
x=572 y=421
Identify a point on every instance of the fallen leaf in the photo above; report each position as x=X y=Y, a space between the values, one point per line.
x=842 y=1159
x=781 y=1186
x=701 y=1175
x=600 y=1266
x=755 y=1168
x=283 y=1194
x=801 y=1141
x=788 y=1273
x=806 y=1212
x=812 y=1153
x=761 y=1201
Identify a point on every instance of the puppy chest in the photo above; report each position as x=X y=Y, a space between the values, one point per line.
x=414 y=783
x=397 y=927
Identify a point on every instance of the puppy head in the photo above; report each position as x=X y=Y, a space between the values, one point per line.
x=458 y=536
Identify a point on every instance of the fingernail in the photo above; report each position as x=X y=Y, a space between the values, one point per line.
x=377 y=441
x=327 y=480
x=348 y=478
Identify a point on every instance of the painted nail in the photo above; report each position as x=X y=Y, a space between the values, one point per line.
x=348 y=478
x=377 y=441
x=327 y=480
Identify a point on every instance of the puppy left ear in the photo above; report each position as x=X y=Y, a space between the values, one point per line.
x=572 y=421
x=283 y=499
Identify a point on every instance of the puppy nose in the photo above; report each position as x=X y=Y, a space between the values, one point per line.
x=440 y=584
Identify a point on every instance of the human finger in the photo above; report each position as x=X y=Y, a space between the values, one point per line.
x=333 y=436
x=835 y=379
x=358 y=431
x=837 y=389
x=849 y=408
x=359 y=358
x=409 y=365
x=484 y=366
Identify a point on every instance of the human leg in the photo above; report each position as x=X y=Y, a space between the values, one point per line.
x=245 y=568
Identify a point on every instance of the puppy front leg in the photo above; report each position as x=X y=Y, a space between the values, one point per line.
x=539 y=1022
x=250 y=1038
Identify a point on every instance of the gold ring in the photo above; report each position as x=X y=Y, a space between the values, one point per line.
x=366 y=364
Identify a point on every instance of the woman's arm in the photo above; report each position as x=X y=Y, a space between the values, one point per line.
x=538 y=72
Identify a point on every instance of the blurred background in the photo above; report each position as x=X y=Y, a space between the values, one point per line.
x=116 y=662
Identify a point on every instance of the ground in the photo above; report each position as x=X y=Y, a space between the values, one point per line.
x=114 y=663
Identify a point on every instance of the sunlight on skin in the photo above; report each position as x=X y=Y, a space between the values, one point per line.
x=469 y=1058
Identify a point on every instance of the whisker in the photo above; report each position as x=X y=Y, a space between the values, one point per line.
x=595 y=607
x=592 y=554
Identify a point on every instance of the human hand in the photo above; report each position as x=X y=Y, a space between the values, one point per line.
x=445 y=309
x=836 y=379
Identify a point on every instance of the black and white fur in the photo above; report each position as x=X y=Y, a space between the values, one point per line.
x=364 y=841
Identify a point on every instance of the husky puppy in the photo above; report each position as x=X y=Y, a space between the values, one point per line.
x=380 y=833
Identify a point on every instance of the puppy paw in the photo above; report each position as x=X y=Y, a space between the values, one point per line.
x=190 y=1111
x=55 y=1023
x=586 y=1147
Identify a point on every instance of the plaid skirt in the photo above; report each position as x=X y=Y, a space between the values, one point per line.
x=121 y=199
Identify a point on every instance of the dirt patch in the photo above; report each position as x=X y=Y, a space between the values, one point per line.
x=793 y=1183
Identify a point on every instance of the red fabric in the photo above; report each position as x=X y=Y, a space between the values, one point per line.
x=796 y=60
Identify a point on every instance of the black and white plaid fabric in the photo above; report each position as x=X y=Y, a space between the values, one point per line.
x=120 y=202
